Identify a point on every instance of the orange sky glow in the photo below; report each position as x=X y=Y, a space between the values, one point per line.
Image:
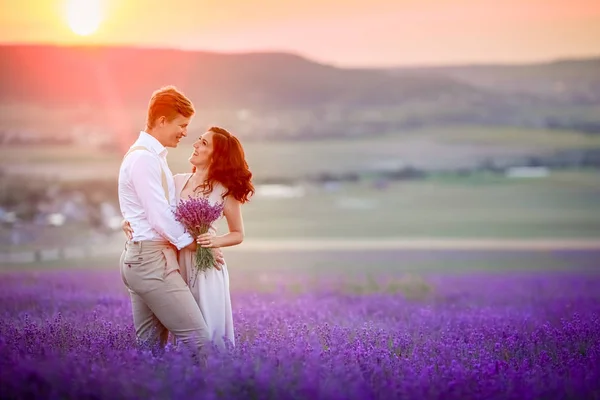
x=339 y=32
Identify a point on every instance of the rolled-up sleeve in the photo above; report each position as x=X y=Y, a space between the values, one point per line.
x=146 y=179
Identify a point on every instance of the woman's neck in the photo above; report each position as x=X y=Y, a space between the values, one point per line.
x=199 y=176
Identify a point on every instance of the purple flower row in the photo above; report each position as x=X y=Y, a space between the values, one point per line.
x=485 y=335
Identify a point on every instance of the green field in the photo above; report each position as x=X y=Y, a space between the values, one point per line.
x=562 y=205
x=531 y=138
x=428 y=148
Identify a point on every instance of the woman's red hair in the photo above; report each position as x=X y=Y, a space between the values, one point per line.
x=229 y=166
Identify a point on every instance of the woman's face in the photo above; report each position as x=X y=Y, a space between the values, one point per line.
x=203 y=148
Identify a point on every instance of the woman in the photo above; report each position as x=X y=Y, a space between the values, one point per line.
x=220 y=173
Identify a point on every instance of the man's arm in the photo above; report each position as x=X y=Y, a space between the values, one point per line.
x=146 y=179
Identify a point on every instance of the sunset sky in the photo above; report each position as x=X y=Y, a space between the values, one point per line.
x=339 y=32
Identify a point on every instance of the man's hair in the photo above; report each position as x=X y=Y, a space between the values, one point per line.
x=168 y=101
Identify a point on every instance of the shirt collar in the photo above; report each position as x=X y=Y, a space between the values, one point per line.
x=152 y=144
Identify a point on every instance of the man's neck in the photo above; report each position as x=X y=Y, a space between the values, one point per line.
x=153 y=134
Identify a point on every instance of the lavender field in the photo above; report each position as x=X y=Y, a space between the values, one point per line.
x=417 y=325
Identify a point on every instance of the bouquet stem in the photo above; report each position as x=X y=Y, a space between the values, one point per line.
x=204 y=259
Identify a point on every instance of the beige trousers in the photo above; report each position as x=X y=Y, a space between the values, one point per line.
x=160 y=299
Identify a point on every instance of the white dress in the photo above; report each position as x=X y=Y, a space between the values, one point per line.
x=211 y=288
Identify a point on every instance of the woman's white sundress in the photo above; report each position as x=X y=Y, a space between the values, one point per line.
x=211 y=288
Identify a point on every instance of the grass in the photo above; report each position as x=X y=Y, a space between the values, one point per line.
x=564 y=205
x=535 y=138
x=419 y=147
x=281 y=159
x=266 y=266
x=289 y=159
x=66 y=155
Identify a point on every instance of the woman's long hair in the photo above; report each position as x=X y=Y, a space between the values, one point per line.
x=228 y=166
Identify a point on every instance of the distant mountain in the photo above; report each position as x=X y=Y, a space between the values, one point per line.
x=575 y=81
x=97 y=75
x=293 y=97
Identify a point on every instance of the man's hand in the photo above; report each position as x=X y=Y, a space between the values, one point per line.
x=191 y=247
x=220 y=261
x=126 y=226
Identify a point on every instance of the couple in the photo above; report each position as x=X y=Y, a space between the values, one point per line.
x=159 y=254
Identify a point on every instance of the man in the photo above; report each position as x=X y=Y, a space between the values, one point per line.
x=161 y=300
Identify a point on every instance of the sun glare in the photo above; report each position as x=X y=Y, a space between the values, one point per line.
x=84 y=16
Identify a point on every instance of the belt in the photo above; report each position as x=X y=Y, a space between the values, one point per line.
x=168 y=249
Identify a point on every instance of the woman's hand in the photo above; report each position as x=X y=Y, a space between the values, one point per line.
x=206 y=240
x=127 y=229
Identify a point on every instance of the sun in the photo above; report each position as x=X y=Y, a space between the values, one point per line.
x=84 y=16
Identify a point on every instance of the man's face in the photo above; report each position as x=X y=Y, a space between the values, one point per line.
x=171 y=132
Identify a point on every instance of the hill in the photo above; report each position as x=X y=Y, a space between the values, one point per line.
x=97 y=75
x=575 y=80
x=289 y=96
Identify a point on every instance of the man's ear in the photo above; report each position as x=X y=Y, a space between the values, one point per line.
x=161 y=120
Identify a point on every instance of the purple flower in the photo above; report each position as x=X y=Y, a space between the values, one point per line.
x=197 y=214
x=70 y=335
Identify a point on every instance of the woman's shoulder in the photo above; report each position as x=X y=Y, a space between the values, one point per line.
x=180 y=179
x=219 y=188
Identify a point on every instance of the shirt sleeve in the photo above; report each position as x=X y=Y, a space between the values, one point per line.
x=147 y=182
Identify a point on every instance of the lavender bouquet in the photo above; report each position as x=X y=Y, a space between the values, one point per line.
x=197 y=215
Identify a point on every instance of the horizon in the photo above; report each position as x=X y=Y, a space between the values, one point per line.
x=546 y=61
x=349 y=33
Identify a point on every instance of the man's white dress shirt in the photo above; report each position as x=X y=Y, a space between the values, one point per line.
x=142 y=197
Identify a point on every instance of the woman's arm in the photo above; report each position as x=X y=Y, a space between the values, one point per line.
x=235 y=222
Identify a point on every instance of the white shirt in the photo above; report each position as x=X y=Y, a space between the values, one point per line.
x=142 y=197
